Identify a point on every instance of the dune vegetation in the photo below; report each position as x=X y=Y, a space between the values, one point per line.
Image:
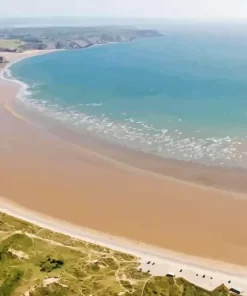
x=10 y=44
x=35 y=261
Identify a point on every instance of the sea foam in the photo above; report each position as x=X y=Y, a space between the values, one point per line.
x=161 y=129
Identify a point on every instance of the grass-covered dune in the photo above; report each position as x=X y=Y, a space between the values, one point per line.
x=35 y=261
x=10 y=44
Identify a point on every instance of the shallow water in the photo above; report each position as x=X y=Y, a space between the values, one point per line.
x=181 y=96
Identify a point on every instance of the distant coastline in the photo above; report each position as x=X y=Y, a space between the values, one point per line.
x=50 y=38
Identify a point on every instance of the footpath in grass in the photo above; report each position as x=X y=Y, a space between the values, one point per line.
x=36 y=262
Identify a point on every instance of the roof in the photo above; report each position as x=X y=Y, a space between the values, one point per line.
x=171 y=274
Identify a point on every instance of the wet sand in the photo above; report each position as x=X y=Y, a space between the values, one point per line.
x=42 y=170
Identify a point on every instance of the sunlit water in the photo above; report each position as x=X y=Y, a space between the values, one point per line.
x=179 y=96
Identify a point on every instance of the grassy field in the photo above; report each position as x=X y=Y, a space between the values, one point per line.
x=36 y=261
x=10 y=44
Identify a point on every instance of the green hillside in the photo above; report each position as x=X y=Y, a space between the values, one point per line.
x=10 y=44
x=36 y=262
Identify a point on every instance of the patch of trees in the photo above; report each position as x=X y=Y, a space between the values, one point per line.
x=50 y=264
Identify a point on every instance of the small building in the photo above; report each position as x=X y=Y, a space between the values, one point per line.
x=170 y=274
x=235 y=291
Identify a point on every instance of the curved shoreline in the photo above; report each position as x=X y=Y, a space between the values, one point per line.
x=178 y=190
x=127 y=167
x=186 y=139
x=178 y=169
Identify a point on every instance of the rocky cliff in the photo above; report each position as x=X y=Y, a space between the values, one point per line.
x=68 y=37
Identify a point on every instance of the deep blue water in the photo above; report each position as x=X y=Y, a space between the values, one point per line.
x=181 y=95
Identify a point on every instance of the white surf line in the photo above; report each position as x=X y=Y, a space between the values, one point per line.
x=125 y=166
x=22 y=56
x=193 y=268
x=117 y=163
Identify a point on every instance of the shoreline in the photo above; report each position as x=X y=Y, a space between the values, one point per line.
x=166 y=260
x=125 y=166
x=175 y=165
x=225 y=179
x=179 y=190
x=188 y=173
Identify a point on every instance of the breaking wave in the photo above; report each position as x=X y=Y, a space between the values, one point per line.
x=139 y=135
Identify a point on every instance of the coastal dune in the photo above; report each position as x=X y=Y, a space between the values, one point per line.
x=50 y=175
x=207 y=274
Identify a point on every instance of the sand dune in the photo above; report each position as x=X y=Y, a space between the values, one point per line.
x=204 y=273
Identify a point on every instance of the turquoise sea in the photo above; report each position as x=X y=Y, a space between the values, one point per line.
x=181 y=96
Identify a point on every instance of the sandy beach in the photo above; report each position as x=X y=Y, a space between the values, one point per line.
x=208 y=274
x=57 y=173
